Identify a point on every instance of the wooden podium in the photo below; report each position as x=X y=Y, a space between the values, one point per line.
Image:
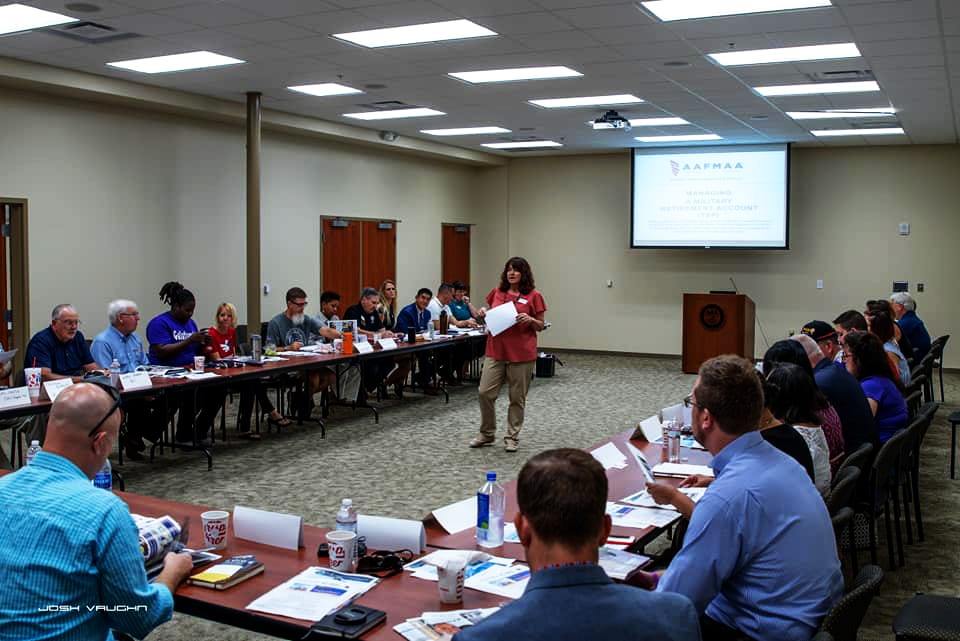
x=715 y=324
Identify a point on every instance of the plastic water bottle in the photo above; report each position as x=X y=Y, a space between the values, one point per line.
x=32 y=450
x=490 y=507
x=115 y=373
x=104 y=478
x=347 y=521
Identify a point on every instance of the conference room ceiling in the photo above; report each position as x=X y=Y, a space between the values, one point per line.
x=912 y=47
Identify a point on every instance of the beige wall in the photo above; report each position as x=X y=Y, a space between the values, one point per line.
x=121 y=201
x=570 y=217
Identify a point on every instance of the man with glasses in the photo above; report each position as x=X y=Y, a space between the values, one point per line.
x=759 y=559
x=119 y=341
x=291 y=330
x=69 y=547
x=60 y=350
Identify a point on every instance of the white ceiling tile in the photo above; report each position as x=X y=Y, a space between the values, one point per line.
x=810 y=37
x=39 y=42
x=151 y=24
x=656 y=50
x=107 y=9
x=951 y=27
x=205 y=39
x=918 y=47
x=207 y=14
x=408 y=12
x=318 y=45
x=153 y=5
x=282 y=8
x=616 y=15
x=553 y=5
x=482 y=8
x=634 y=33
x=269 y=31
x=900 y=11
x=905 y=62
x=896 y=31
x=521 y=23
x=329 y=22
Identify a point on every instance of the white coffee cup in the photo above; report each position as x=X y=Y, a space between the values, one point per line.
x=342 y=549
x=32 y=375
x=215 y=524
x=450 y=581
x=198 y=363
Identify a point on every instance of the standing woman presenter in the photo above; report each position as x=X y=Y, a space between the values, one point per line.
x=512 y=354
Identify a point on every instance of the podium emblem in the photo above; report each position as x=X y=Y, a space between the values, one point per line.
x=712 y=316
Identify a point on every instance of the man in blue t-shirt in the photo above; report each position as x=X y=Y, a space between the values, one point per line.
x=910 y=324
x=60 y=350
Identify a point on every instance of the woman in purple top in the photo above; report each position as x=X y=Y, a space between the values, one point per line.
x=174 y=341
x=866 y=360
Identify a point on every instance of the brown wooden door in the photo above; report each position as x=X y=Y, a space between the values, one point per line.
x=456 y=254
x=379 y=252
x=341 y=260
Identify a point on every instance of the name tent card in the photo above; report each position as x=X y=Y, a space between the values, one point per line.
x=388 y=343
x=14 y=397
x=135 y=380
x=52 y=389
x=363 y=348
x=269 y=528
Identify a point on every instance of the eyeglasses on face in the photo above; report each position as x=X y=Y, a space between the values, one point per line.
x=299 y=303
x=131 y=314
x=115 y=395
x=69 y=322
x=689 y=402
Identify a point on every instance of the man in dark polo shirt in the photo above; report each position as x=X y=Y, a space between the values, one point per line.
x=378 y=370
x=842 y=389
x=60 y=350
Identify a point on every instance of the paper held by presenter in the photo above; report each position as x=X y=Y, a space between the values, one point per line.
x=501 y=318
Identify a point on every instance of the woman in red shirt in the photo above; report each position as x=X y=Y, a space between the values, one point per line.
x=224 y=345
x=512 y=354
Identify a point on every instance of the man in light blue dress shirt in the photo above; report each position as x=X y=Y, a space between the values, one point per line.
x=562 y=496
x=759 y=558
x=145 y=417
x=70 y=559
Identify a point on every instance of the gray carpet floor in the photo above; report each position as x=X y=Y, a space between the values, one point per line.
x=417 y=459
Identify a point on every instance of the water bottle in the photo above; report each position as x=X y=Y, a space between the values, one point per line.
x=347 y=521
x=104 y=478
x=490 y=506
x=665 y=443
x=444 y=321
x=32 y=450
x=256 y=347
x=115 y=373
x=673 y=430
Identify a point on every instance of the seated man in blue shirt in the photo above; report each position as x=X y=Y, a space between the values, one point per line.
x=417 y=316
x=562 y=496
x=119 y=341
x=68 y=546
x=60 y=350
x=905 y=309
x=759 y=559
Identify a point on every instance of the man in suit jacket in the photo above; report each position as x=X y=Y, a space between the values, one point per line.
x=561 y=523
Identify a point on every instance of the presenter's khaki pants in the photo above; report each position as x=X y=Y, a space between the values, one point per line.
x=517 y=377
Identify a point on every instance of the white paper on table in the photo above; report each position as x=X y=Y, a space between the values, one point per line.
x=510 y=533
x=14 y=397
x=458 y=516
x=391 y=534
x=640 y=517
x=642 y=462
x=269 y=528
x=459 y=618
x=501 y=318
x=196 y=376
x=643 y=498
x=689 y=441
x=619 y=564
x=313 y=593
x=6 y=357
x=610 y=456
x=289 y=353
x=475 y=332
x=503 y=580
x=388 y=344
x=52 y=389
x=652 y=429
x=135 y=380
x=681 y=469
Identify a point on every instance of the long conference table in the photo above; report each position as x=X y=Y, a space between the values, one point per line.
x=400 y=596
x=162 y=386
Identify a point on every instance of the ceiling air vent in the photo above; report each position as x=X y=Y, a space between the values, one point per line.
x=838 y=76
x=90 y=32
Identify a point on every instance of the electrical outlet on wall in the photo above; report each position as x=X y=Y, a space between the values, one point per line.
x=920 y=287
x=819 y=283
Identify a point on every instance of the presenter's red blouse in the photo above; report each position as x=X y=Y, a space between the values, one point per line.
x=519 y=343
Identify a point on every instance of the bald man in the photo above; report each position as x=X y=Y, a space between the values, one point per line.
x=71 y=557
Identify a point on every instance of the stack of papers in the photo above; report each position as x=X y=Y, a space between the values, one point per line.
x=643 y=498
x=426 y=567
x=640 y=517
x=313 y=594
x=431 y=626
x=610 y=457
x=681 y=470
x=503 y=580
x=458 y=516
x=619 y=564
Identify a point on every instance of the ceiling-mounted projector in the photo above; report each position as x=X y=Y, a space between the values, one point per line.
x=611 y=120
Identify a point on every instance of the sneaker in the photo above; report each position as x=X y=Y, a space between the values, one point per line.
x=510 y=446
x=481 y=442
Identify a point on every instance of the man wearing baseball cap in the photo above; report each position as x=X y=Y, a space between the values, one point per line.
x=842 y=389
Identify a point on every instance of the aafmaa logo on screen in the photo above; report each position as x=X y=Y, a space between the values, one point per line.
x=677 y=168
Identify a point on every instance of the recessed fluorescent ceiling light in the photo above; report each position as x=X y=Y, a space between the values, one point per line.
x=529 y=144
x=879 y=112
x=176 y=62
x=587 y=101
x=657 y=122
x=417 y=112
x=511 y=75
x=690 y=138
x=417 y=34
x=787 y=54
x=465 y=131
x=20 y=17
x=668 y=10
x=883 y=131
x=325 y=89
x=816 y=88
